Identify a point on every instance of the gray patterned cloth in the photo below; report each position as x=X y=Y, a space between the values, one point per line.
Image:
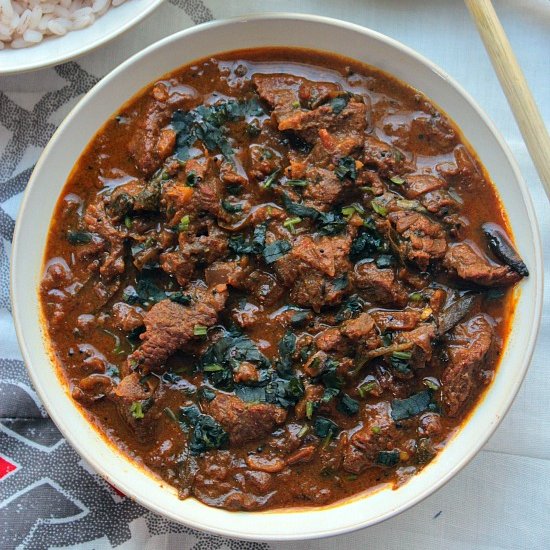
x=49 y=496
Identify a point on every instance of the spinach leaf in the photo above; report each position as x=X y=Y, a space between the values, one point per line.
x=367 y=242
x=287 y=347
x=239 y=245
x=341 y=282
x=225 y=355
x=387 y=458
x=338 y=104
x=79 y=237
x=272 y=252
x=278 y=391
x=230 y=207
x=346 y=169
x=146 y=292
x=348 y=405
x=207 y=124
x=299 y=210
x=350 y=308
x=331 y=223
x=324 y=427
x=384 y=260
x=206 y=433
x=411 y=406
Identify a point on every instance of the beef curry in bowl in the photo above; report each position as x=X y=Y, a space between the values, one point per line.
x=278 y=280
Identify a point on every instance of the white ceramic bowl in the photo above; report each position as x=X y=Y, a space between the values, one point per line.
x=102 y=101
x=55 y=50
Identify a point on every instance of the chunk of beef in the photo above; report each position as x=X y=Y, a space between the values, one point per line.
x=423 y=240
x=396 y=320
x=385 y=158
x=465 y=172
x=330 y=339
x=244 y=421
x=428 y=136
x=379 y=285
x=468 y=346
x=262 y=161
x=313 y=94
x=470 y=265
x=315 y=290
x=324 y=189
x=127 y=317
x=378 y=434
x=418 y=185
x=128 y=393
x=169 y=326
x=306 y=124
x=209 y=245
x=422 y=337
x=324 y=254
x=439 y=202
x=360 y=328
x=97 y=221
x=279 y=91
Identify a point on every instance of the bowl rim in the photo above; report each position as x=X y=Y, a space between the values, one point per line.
x=65 y=56
x=507 y=399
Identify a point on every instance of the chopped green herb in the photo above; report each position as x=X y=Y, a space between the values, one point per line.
x=128 y=222
x=415 y=296
x=431 y=383
x=170 y=414
x=296 y=183
x=291 y=222
x=136 y=409
x=303 y=431
x=397 y=180
x=402 y=354
x=214 y=367
x=200 y=330
x=271 y=179
x=348 y=211
x=364 y=389
x=309 y=409
x=184 y=223
x=379 y=208
x=375 y=430
x=296 y=104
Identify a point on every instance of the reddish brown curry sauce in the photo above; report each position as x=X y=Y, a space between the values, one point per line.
x=284 y=297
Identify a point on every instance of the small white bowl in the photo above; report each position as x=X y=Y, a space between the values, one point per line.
x=102 y=101
x=55 y=50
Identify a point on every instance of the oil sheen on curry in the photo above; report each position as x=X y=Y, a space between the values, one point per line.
x=278 y=278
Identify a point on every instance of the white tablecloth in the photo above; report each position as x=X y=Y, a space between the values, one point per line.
x=500 y=500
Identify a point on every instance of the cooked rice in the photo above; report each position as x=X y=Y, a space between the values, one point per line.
x=27 y=22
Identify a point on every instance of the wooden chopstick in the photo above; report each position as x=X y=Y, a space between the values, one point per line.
x=515 y=86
